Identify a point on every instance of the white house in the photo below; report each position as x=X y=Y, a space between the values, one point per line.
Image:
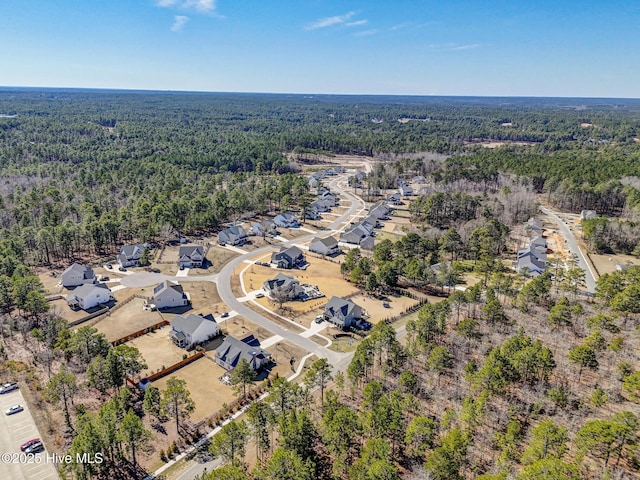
x=88 y=296
x=286 y=220
x=234 y=235
x=191 y=329
x=77 y=275
x=191 y=256
x=324 y=246
x=169 y=294
x=405 y=190
x=130 y=255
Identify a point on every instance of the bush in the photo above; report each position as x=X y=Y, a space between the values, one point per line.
x=163 y=456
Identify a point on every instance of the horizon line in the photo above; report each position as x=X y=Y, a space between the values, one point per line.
x=172 y=91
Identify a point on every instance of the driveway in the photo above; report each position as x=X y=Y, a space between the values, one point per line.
x=15 y=430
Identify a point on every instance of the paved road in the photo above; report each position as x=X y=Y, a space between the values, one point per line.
x=590 y=277
x=15 y=430
x=228 y=297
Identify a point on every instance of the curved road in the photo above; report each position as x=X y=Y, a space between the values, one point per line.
x=589 y=276
x=228 y=297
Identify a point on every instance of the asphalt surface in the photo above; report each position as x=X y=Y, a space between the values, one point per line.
x=15 y=430
x=590 y=279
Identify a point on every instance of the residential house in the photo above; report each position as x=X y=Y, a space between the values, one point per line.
x=234 y=235
x=539 y=243
x=323 y=190
x=588 y=214
x=313 y=182
x=419 y=179
x=233 y=350
x=370 y=223
x=191 y=329
x=342 y=313
x=534 y=226
x=321 y=205
x=330 y=199
x=394 y=199
x=88 y=296
x=168 y=295
x=283 y=285
x=367 y=243
x=191 y=256
x=288 y=257
x=324 y=246
x=354 y=235
x=286 y=220
x=77 y=275
x=264 y=228
x=405 y=190
x=312 y=213
x=380 y=210
x=531 y=260
x=130 y=255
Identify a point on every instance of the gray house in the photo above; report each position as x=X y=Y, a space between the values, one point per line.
x=77 y=275
x=169 y=294
x=355 y=235
x=130 y=255
x=324 y=246
x=191 y=256
x=532 y=260
x=394 y=199
x=233 y=350
x=234 y=235
x=290 y=257
x=341 y=312
x=405 y=190
x=283 y=285
x=264 y=228
x=191 y=329
x=286 y=220
x=380 y=210
x=534 y=226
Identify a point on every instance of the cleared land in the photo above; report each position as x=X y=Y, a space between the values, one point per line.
x=607 y=263
x=158 y=350
x=207 y=391
x=127 y=319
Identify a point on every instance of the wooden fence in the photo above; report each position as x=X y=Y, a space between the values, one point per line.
x=102 y=311
x=139 y=333
x=176 y=366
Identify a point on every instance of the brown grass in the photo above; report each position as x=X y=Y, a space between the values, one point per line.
x=127 y=319
x=157 y=349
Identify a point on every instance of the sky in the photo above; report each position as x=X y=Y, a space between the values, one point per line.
x=558 y=48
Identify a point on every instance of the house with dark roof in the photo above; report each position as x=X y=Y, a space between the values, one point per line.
x=169 y=294
x=324 y=246
x=312 y=213
x=322 y=205
x=286 y=220
x=130 y=255
x=394 y=199
x=531 y=260
x=77 y=275
x=234 y=235
x=534 y=226
x=191 y=256
x=190 y=330
x=88 y=296
x=354 y=235
x=233 y=350
x=405 y=190
x=380 y=210
x=288 y=257
x=342 y=313
x=283 y=285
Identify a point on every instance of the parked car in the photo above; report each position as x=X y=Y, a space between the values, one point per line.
x=122 y=269
x=35 y=448
x=8 y=387
x=104 y=278
x=28 y=443
x=109 y=265
x=259 y=295
x=386 y=305
x=14 y=409
x=224 y=314
x=319 y=319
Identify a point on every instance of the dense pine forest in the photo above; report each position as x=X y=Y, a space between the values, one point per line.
x=510 y=378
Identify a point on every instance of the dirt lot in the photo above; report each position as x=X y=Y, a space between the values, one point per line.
x=204 y=297
x=607 y=263
x=127 y=319
x=239 y=327
x=65 y=312
x=377 y=312
x=207 y=391
x=157 y=349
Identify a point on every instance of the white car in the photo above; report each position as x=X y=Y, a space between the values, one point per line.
x=14 y=409
x=8 y=387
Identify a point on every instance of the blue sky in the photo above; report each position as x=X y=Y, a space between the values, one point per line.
x=419 y=47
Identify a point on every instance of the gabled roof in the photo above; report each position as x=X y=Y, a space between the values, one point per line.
x=281 y=281
x=83 y=290
x=189 y=250
x=328 y=242
x=292 y=252
x=161 y=287
x=339 y=306
x=233 y=350
x=86 y=272
x=190 y=323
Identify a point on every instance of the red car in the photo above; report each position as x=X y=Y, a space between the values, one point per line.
x=29 y=443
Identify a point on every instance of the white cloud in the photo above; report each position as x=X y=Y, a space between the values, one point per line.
x=330 y=21
x=179 y=22
x=202 y=6
x=357 y=23
x=470 y=46
x=456 y=46
x=365 y=33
